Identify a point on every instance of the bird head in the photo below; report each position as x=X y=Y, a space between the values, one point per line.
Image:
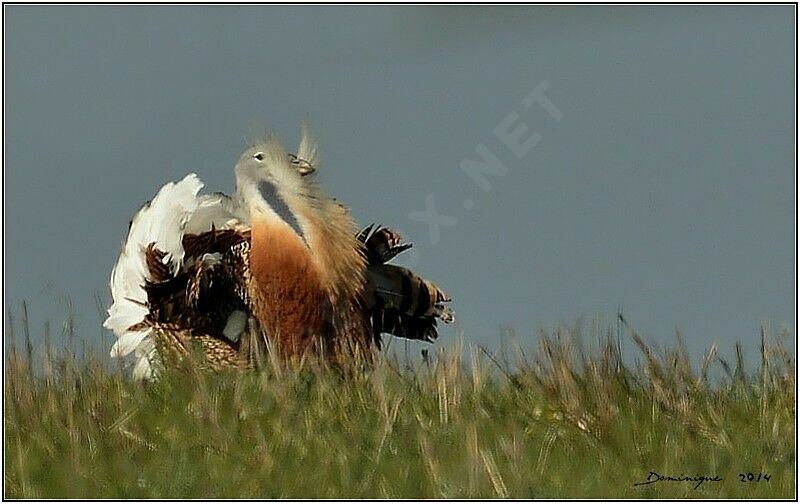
x=272 y=182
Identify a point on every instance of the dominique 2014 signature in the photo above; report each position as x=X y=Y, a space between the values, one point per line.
x=699 y=479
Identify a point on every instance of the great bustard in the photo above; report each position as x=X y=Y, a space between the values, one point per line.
x=278 y=265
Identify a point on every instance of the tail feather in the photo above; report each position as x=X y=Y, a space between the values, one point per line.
x=160 y=221
x=405 y=304
x=381 y=245
x=152 y=261
x=404 y=326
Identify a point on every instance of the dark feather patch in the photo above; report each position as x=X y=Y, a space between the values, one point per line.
x=198 y=300
x=381 y=245
x=158 y=270
x=215 y=241
x=405 y=304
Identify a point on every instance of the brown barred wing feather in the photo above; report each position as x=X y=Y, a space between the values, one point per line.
x=176 y=346
x=381 y=244
x=405 y=304
x=401 y=303
x=214 y=241
x=191 y=308
x=158 y=269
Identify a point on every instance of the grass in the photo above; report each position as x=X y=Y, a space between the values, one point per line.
x=556 y=421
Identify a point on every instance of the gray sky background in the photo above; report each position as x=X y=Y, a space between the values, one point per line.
x=668 y=185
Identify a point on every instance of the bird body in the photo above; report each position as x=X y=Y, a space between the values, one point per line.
x=290 y=299
x=279 y=265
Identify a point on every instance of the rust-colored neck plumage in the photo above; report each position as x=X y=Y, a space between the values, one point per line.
x=331 y=238
x=289 y=297
x=331 y=235
x=308 y=292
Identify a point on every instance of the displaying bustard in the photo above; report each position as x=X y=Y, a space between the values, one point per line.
x=279 y=266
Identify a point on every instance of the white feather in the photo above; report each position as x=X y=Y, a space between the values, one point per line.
x=128 y=342
x=175 y=210
x=146 y=356
x=307 y=150
x=235 y=325
x=218 y=210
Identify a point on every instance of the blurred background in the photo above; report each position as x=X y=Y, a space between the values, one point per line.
x=658 y=174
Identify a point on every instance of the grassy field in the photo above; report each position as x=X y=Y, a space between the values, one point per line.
x=549 y=422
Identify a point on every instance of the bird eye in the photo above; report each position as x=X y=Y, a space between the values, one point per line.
x=259 y=156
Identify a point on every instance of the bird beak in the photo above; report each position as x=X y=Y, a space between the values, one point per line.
x=303 y=166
